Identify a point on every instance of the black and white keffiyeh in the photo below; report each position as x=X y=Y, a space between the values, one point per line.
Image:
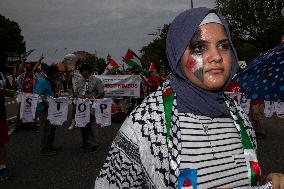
x=139 y=156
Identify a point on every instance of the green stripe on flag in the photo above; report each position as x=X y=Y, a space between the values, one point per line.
x=247 y=144
x=253 y=176
x=131 y=63
x=168 y=104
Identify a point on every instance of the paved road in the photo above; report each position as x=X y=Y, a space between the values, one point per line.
x=11 y=107
x=72 y=168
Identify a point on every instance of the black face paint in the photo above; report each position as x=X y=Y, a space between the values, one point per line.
x=195 y=62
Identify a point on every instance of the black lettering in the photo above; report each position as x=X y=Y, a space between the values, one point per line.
x=58 y=105
x=82 y=107
x=28 y=102
x=102 y=107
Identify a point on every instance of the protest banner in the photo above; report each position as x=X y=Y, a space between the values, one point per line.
x=13 y=59
x=121 y=85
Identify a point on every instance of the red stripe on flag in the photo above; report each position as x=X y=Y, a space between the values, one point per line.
x=255 y=166
x=167 y=92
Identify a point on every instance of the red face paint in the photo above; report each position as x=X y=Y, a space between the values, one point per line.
x=191 y=63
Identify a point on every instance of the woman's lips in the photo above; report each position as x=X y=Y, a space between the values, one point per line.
x=215 y=70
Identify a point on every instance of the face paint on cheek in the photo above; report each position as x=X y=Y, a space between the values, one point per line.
x=196 y=66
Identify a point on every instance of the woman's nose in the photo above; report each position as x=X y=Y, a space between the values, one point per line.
x=214 y=55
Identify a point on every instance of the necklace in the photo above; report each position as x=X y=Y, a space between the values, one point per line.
x=205 y=129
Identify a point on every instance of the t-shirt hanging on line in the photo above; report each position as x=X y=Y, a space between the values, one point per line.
x=103 y=111
x=82 y=116
x=28 y=106
x=58 y=110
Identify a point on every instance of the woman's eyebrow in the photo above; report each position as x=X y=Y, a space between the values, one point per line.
x=197 y=42
x=223 y=40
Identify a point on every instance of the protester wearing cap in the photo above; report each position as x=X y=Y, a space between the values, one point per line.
x=189 y=134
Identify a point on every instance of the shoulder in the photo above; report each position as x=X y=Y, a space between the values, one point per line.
x=80 y=80
x=42 y=80
x=149 y=114
x=96 y=79
x=235 y=109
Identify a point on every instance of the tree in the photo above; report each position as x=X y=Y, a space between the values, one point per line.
x=98 y=64
x=155 y=51
x=256 y=26
x=11 y=39
x=101 y=65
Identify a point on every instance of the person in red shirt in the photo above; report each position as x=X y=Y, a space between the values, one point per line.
x=117 y=115
x=25 y=82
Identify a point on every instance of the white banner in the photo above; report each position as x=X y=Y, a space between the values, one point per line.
x=121 y=85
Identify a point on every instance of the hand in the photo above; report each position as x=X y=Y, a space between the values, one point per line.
x=41 y=57
x=23 y=58
x=277 y=180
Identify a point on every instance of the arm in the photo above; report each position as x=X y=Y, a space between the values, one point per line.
x=38 y=63
x=79 y=88
x=100 y=87
x=21 y=66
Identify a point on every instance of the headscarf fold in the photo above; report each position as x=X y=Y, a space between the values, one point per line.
x=190 y=98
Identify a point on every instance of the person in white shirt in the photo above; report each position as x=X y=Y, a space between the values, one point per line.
x=76 y=75
x=90 y=87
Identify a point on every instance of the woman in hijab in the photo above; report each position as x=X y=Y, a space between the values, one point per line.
x=189 y=134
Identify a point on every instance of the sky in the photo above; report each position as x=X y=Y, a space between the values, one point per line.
x=59 y=27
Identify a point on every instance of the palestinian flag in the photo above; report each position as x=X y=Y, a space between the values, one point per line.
x=112 y=66
x=131 y=59
x=187 y=184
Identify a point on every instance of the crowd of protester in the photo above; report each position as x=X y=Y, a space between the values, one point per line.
x=47 y=81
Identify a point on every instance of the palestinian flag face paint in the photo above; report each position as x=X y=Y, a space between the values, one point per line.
x=196 y=66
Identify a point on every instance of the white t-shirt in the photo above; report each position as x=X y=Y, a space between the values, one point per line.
x=244 y=103
x=82 y=116
x=28 y=106
x=269 y=108
x=279 y=108
x=58 y=110
x=103 y=111
x=76 y=77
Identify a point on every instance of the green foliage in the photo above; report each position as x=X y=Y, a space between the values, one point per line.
x=10 y=36
x=11 y=40
x=98 y=64
x=256 y=26
x=101 y=65
x=155 y=51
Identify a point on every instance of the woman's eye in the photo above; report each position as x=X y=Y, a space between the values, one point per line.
x=224 y=46
x=197 y=49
